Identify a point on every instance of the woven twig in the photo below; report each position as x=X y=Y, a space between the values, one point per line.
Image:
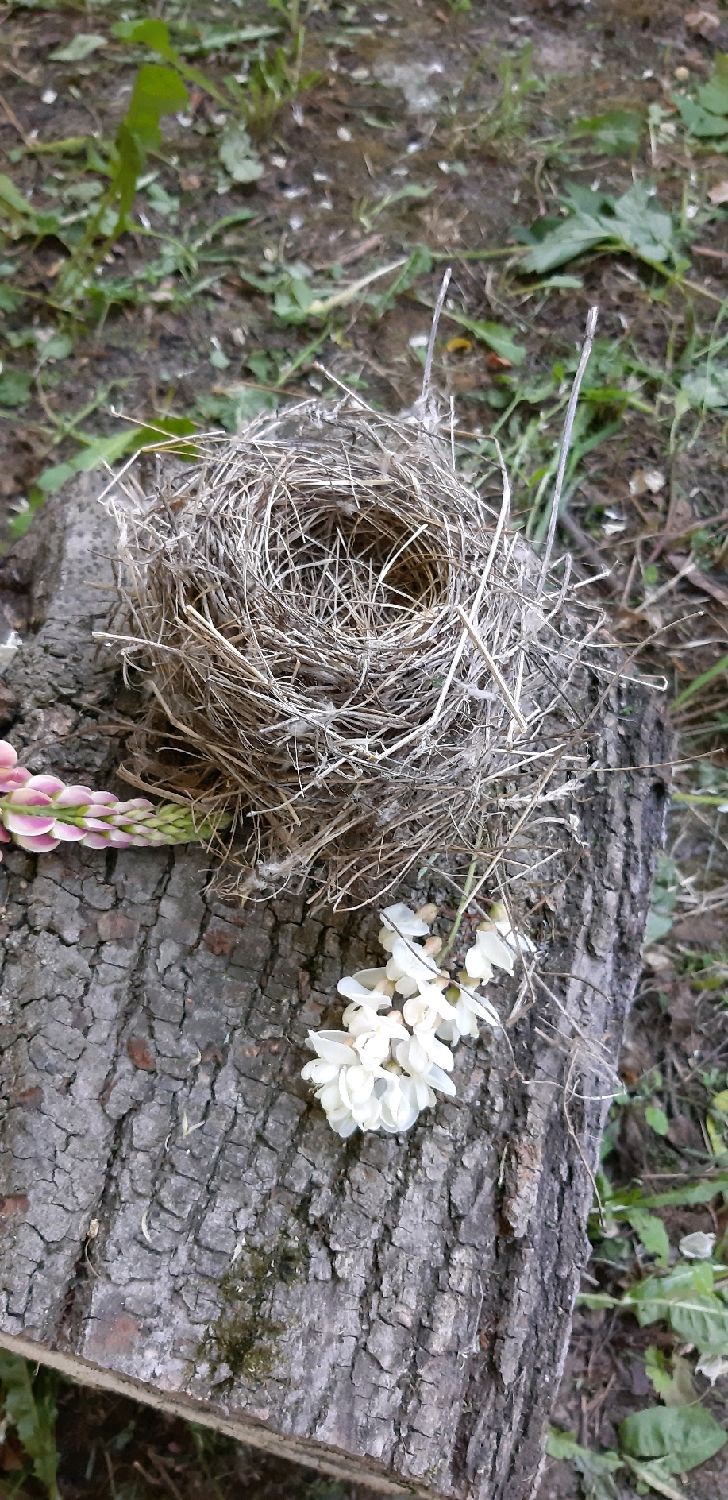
x=348 y=650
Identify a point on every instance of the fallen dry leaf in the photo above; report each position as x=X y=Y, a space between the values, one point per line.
x=719 y=192
x=704 y=21
x=647 y=481
x=707 y=582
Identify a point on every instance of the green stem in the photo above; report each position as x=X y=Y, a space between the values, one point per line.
x=464 y=899
x=702 y=799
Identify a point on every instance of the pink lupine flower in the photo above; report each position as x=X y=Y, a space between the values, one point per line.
x=39 y=812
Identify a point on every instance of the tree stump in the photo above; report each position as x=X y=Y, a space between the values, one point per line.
x=178 y=1222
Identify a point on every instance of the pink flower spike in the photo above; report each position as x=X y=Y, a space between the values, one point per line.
x=11 y=780
x=95 y=825
x=119 y=840
x=51 y=785
x=24 y=825
x=8 y=756
x=29 y=797
x=42 y=843
x=67 y=833
x=134 y=803
x=97 y=841
x=103 y=799
x=74 y=796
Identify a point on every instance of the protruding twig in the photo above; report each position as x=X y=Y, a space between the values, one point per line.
x=494 y=669
x=423 y=403
x=591 y=326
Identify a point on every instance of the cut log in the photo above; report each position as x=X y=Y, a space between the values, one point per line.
x=177 y=1221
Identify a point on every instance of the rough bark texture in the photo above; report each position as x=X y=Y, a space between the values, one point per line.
x=176 y=1218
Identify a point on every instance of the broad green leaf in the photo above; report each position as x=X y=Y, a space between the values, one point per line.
x=707 y=387
x=672 y=1382
x=563 y=243
x=686 y=1300
x=663 y=899
x=292 y=301
x=132 y=156
x=81 y=46
x=154 y=34
x=701 y=1320
x=14 y=388
x=653 y=1475
x=643 y=227
x=706 y=115
x=157 y=91
x=650 y=1231
x=496 y=337
x=597 y=1469
x=700 y=122
x=682 y=1437
x=150 y=33
x=693 y=1192
x=720 y=1101
x=656 y=928
x=617 y=131
x=237 y=154
x=58 y=346
x=103 y=450
x=9 y=298
x=714 y=94
x=211 y=38
x=657 y=1119
x=30 y=1409
x=632 y=223
x=238 y=408
x=10 y=195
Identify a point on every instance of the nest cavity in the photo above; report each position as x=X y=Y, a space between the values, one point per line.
x=346 y=648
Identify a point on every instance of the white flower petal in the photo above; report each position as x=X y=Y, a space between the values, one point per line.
x=361 y=989
x=517 y=940
x=398 y=1104
x=470 y=999
x=494 y=948
x=437 y=1079
x=319 y=1072
x=403 y=920
x=477 y=964
x=713 y=1367
x=332 y=1046
x=409 y=961
x=449 y=1031
x=437 y=1052
x=698 y=1246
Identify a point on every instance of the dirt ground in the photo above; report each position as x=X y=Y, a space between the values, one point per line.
x=431 y=133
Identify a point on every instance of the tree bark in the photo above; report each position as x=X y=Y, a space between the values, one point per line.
x=176 y=1218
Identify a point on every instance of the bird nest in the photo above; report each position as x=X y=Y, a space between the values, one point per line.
x=348 y=650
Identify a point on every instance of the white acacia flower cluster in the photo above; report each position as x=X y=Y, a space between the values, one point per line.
x=394 y=1055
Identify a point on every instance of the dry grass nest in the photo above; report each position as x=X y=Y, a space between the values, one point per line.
x=346 y=648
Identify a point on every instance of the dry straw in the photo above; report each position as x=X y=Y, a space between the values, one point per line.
x=348 y=649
